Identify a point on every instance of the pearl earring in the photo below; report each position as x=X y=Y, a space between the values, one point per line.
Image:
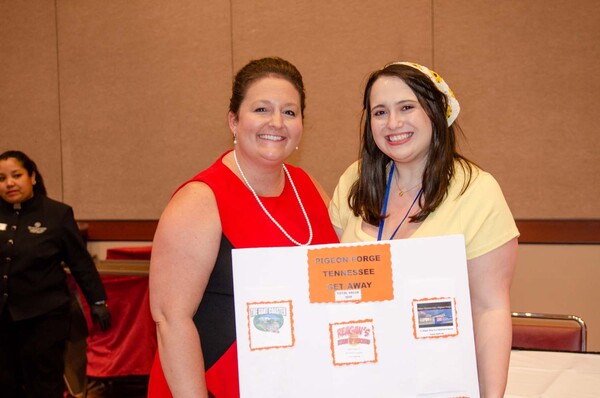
x=234 y=139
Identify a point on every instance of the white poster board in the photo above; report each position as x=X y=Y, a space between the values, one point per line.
x=385 y=319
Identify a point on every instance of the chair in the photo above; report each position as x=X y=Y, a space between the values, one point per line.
x=549 y=332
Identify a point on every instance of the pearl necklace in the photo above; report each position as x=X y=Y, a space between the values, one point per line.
x=310 y=231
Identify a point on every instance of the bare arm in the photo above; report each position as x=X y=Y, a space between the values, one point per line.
x=184 y=251
x=490 y=277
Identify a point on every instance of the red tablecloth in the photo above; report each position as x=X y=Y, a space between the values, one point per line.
x=128 y=347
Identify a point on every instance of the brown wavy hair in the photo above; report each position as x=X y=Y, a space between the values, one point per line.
x=368 y=191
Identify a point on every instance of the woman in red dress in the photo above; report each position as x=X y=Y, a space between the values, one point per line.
x=247 y=198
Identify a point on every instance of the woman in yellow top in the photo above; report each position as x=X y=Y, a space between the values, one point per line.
x=411 y=182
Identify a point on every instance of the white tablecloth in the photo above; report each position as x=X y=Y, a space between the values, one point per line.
x=553 y=374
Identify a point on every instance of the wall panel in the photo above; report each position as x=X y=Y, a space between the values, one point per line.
x=29 y=107
x=335 y=45
x=144 y=89
x=525 y=73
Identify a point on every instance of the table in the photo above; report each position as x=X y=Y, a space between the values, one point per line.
x=553 y=374
x=128 y=347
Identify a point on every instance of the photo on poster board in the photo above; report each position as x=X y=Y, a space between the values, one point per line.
x=435 y=318
x=353 y=342
x=271 y=324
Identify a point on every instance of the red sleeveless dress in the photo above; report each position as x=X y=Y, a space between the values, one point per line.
x=244 y=225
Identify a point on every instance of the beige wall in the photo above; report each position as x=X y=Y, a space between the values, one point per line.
x=120 y=102
x=29 y=86
x=560 y=279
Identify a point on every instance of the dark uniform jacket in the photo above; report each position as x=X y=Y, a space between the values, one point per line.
x=34 y=241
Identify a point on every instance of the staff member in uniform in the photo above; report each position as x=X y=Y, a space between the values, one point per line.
x=38 y=234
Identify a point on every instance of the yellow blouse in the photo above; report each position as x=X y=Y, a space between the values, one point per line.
x=481 y=213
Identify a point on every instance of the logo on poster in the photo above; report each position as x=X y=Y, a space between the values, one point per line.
x=268 y=319
x=353 y=335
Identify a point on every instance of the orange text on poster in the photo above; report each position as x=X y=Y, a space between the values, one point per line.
x=366 y=269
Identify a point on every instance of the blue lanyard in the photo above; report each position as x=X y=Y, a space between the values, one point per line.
x=385 y=202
